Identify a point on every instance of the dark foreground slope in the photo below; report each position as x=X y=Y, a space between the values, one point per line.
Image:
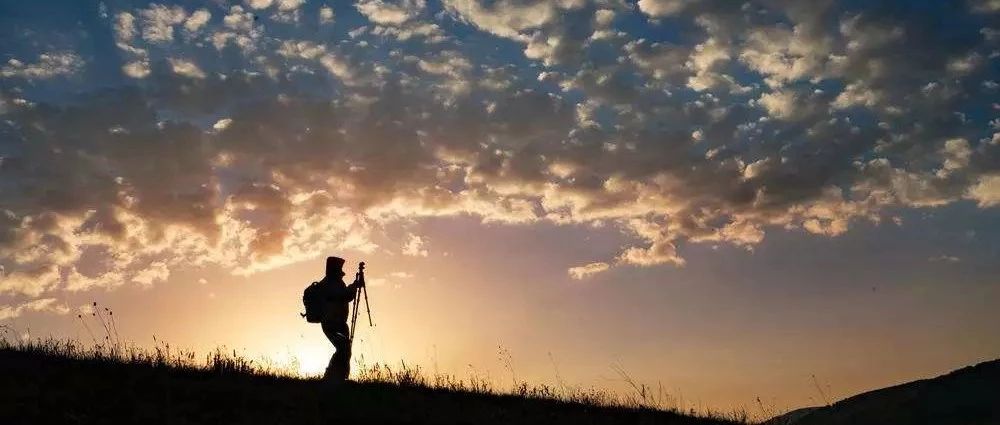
x=968 y=396
x=45 y=388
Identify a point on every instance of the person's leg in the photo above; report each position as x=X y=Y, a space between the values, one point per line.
x=331 y=334
x=341 y=361
x=339 y=367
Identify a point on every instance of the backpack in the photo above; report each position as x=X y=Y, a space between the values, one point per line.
x=312 y=299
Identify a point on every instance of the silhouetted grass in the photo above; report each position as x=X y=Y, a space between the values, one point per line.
x=45 y=380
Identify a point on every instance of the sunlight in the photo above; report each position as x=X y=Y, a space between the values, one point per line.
x=313 y=359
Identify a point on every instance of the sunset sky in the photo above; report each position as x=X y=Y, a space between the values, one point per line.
x=726 y=198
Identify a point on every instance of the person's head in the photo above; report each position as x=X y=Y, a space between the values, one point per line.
x=335 y=267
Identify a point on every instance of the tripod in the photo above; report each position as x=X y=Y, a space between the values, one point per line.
x=359 y=292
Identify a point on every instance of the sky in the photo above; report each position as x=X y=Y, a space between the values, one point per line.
x=778 y=199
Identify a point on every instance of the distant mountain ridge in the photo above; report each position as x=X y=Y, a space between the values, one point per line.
x=967 y=396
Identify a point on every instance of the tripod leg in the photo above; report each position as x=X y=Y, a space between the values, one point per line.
x=367 y=308
x=354 y=317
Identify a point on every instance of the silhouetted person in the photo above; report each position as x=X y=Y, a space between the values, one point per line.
x=337 y=295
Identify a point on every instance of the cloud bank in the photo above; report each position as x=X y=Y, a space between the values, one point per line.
x=257 y=135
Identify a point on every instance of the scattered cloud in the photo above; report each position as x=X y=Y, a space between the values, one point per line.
x=197 y=20
x=945 y=259
x=240 y=138
x=401 y=19
x=661 y=8
x=158 y=22
x=258 y=4
x=325 y=15
x=186 y=68
x=124 y=28
x=585 y=271
x=985 y=6
x=48 y=305
x=136 y=69
x=29 y=281
x=390 y=12
x=155 y=272
x=222 y=124
x=287 y=5
x=48 y=65
x=986 y=191
x=415 y=246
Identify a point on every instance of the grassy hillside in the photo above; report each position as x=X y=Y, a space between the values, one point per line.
x=967 y=396
x=61 y=382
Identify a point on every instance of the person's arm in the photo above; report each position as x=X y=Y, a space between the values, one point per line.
x=353 y=287
x=349 y=292
x=357 y=284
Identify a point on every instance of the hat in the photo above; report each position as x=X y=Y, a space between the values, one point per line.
x=334 y=265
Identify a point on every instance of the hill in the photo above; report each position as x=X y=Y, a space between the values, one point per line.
x=55 y=384
x=967 y=396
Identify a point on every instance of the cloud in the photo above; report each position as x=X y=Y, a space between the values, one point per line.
x=238 y=29
x=391 y=12
x=660 y=252
x=414 y=246
x=553 y=32
x=400 y=19
x=986 y=191
x=705 y=61
x=48 y=65
x=158 y=22
x=124 y=27
x=504 y=18
x=197 y=20
x=136 y=69
x=39 y=305
x=155 y=272
x=251 y=144
x=258 y=4
x=325 y=15
x=985 y=6
x=944 y=259
x=288 y=5
x=222 y=124
x=661 y=61
x=586 y=270
x=186 y=68
x=784 y=55
x=31 y=281
x=661 y=8
x=780 y=105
